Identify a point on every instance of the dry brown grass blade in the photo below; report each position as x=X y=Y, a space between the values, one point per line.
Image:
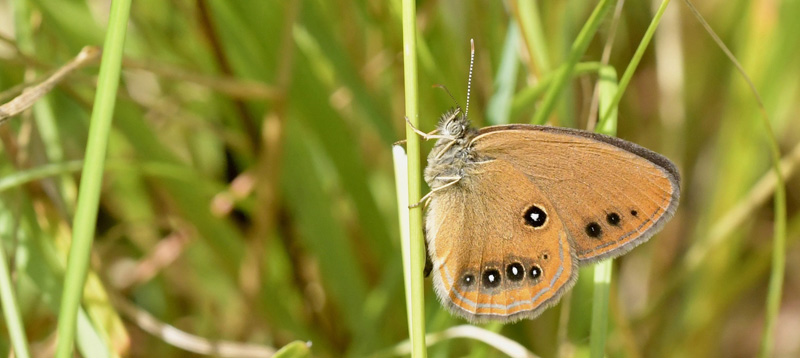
x=30 y=95
x=186 y=341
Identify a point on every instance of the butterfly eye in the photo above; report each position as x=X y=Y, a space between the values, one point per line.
x=535 y=216
x=536 y=272
x=491 y=278
x=454 y=128
x=515 y=271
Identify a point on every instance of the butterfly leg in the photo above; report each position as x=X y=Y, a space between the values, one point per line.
x=444 y=149
x=427 y=197
x=426 y=136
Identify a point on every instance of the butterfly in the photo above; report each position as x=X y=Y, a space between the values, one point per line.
x=515 y=209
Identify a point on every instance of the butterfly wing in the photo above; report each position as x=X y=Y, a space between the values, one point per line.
x=612 y=195
x=498 y=249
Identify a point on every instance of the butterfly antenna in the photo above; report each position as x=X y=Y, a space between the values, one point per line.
x=449 y=94
x=469 y=79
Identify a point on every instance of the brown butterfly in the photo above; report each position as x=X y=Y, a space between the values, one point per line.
x=515 y=209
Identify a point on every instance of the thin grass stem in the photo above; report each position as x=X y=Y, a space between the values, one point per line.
x=20 y=178
x=416 y=306
x=637 y=57
x=578 y=49
x=599 y=327
x=84 y=223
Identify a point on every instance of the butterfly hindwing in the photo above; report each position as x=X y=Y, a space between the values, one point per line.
x=499 y=250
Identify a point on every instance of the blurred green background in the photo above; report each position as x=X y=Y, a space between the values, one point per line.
x=249 y=193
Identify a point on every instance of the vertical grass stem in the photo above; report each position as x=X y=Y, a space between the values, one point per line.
x=83 y=227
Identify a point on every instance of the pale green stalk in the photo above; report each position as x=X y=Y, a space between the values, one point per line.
x=416 y=307
x=84 y=223
x=599 y=327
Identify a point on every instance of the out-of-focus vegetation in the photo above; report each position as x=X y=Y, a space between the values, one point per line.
x=249 y=200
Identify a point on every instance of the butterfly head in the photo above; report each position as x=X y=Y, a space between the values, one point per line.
x=454 y=124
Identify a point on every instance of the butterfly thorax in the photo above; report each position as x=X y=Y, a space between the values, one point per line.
x=452 y=155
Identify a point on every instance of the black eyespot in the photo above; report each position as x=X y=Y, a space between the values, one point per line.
x=545 y=256
x=634 y=212
x=468 y=280
x=593 y=229
x=535 y=216
x=491 y=278
x=536 y=272
x=613 y=219
x=515 y=271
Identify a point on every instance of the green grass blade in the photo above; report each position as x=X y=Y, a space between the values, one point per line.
x=296 y=349
x=319 y=230
x=39 y=261
x=11 y=312
x=90 y=340
x=499 y=107
x=608 y=87
x=416 y=308
x=91 y=180
x=578 y=49
x=599 y=328
x=529 y=19
x=525 y=98
x=778 y=268
x=637 y=57
x=20 y=178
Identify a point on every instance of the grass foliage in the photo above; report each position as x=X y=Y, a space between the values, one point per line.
x=248 y=205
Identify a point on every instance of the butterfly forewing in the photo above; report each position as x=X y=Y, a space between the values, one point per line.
x=610 y=194
x=499 y=250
